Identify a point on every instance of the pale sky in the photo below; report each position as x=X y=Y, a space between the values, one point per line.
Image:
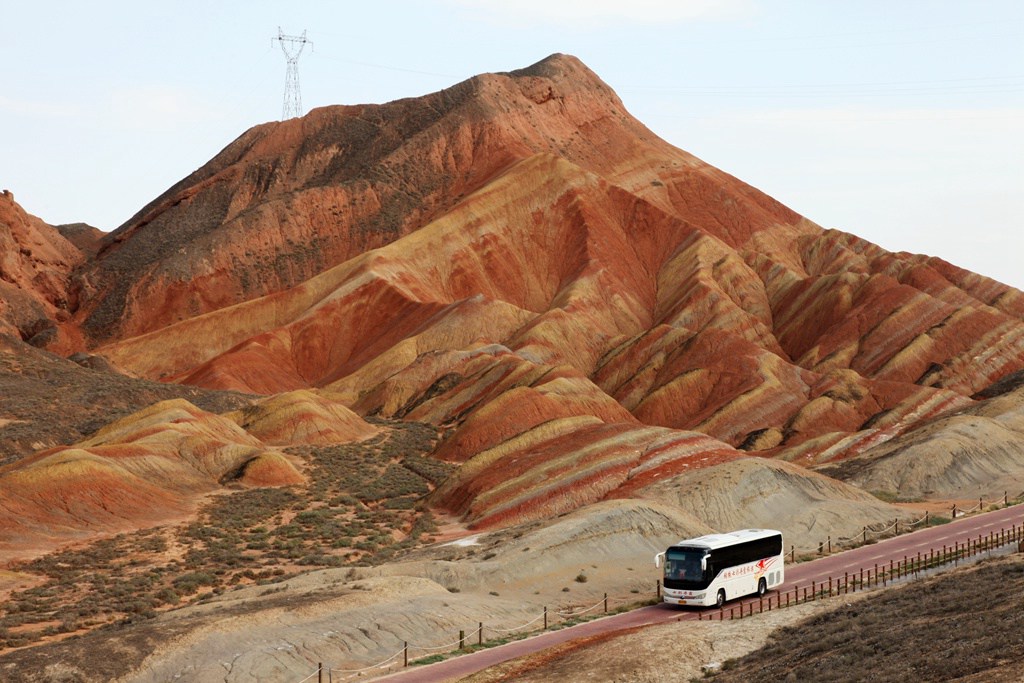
x=901 y=121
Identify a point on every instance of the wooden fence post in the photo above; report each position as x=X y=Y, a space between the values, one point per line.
x=405 y=654
x=545 y=617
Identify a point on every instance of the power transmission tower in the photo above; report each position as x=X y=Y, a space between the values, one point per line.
x=292 y=47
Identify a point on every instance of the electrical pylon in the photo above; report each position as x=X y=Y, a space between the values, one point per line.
x=292 y=95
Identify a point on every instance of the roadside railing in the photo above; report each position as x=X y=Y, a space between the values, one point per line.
x=480 y=637
x=880 y=574
x=871 y=533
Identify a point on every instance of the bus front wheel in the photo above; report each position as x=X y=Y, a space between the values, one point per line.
x=762 y=588
x=721 y=599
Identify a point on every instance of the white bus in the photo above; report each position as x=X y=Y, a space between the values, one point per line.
x=712 y=569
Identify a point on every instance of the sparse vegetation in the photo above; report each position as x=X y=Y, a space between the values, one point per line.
x=894 y=497
x=361 y=506
x=934 y=630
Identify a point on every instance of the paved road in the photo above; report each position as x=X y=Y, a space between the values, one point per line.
x=800 y=575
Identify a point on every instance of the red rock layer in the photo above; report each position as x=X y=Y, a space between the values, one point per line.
x=563 y=464
x=288 y=200
x=35 y=265
x=519 y=260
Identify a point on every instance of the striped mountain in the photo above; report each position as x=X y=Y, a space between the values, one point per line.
x=582 y=308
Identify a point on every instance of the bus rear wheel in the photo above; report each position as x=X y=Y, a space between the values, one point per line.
x=721 y=599
x=762 y=588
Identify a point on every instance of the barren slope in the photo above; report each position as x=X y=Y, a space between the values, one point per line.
x=35 y=266
x=977 y=452
x=581 y=306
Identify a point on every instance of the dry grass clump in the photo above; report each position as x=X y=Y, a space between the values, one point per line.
x=363 y=504
x=953 y=626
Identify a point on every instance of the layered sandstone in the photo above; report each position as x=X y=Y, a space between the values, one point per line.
x=145 y=468
x=526 y=258
x=36 y=262
x=579 y=305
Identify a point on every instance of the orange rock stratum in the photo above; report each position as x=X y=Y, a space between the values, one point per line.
x=586 y=310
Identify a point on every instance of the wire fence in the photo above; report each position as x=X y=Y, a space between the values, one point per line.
x=880 y=574
x=861 y=579
x=874 y=532
x=480 y=637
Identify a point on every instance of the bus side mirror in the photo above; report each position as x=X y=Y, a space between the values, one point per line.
x=704 y=564
x=657 y=559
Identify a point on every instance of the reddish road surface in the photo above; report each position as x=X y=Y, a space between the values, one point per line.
x=866 y=557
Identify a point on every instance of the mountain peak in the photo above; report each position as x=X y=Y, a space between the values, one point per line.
x=558 y=66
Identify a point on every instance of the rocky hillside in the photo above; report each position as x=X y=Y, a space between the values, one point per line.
x=583 y=308
x=36 y=262
x=520 y=260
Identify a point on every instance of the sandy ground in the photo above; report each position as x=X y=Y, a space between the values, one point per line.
x=355 y=617
x=665 y=653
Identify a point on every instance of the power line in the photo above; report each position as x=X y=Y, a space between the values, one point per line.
x=386 y=67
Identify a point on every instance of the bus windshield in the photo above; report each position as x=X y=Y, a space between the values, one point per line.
x=683 y=567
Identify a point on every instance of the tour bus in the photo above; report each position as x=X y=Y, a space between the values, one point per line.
x=712 y=569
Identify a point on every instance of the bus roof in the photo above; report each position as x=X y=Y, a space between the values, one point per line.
x=712 y=541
